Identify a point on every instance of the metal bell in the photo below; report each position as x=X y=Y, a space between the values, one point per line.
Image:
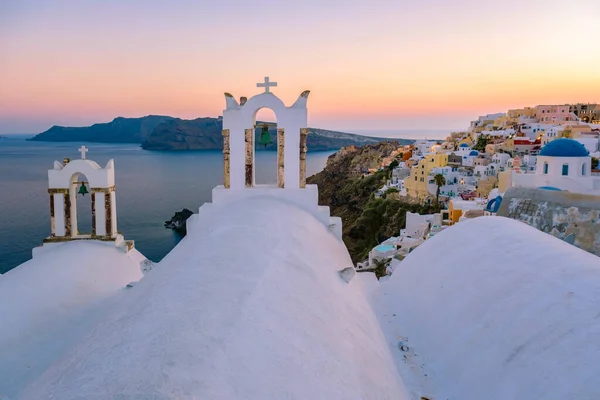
x=265 y=136
x=82 y=189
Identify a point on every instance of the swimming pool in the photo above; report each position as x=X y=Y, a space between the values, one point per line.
x=383 y=248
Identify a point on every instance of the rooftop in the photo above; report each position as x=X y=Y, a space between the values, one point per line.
x=564 y=147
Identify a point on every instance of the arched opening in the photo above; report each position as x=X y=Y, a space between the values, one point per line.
x=265 y=148
x=545 y=168
x=583 y=168
x=81 y=206
x=565 y=169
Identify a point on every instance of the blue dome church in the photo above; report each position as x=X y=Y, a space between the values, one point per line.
x=562 y=164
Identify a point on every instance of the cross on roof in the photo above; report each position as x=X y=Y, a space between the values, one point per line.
x=83 y=150
x=267 y=84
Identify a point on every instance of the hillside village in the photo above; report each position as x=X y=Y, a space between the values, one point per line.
x=547 y=147
x=261 y=299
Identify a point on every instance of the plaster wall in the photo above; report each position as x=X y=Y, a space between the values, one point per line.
x=97 y=177
x=290 y=119
x=113 y=209
x=59 y=215
x=307 y=198
x=415 y=222
x=100 y=214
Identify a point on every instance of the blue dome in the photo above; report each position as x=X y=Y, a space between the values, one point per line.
x=550 y=188
x=564 y=147
x=494 y=204
x=474 y=153
x=464 y=145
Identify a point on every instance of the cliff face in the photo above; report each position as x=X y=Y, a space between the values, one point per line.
x=205 y=134
x=119 y=130
x=181 y=134
x=366 y=220
x=167 y=133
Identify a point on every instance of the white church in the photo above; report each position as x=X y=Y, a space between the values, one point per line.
x=260 y=300
x=562 y=164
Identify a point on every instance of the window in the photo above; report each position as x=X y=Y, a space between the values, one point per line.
x=565 y=169
x=545 y=168
x=415 y=178
x=583 y=169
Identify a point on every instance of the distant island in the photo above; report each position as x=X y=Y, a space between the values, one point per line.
x=155 y=132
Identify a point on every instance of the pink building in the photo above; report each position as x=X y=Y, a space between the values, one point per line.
x=554 y=114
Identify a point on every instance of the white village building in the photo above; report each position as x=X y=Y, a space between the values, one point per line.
x=424 y=146
x=259 y=300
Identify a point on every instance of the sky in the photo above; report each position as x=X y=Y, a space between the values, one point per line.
x=370 y=64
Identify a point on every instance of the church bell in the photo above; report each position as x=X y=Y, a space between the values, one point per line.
x=82 y=189
x=265 y=136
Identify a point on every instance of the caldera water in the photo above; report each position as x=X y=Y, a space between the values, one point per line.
x=150 y=187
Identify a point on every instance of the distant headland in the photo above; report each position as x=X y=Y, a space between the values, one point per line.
x=155 y=132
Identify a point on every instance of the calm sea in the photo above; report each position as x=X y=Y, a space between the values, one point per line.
x=151 y=186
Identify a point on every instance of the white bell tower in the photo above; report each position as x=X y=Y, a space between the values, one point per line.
x=71 y=178
x=239 y=156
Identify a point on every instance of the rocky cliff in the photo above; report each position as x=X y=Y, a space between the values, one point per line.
x=205 y=134
x=182 y=134
x=167 y=133
x=367 y=220
x=119 y=130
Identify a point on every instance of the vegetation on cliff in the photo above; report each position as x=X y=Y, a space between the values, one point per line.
x=367 y=220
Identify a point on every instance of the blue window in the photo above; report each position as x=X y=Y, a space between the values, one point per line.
x=546 y=168
x=565 y=169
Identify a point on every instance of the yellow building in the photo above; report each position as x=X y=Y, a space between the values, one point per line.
x=503 y=122
x=576 y=131
x=416 y=183
x=527 y=112
x=493 y=148
x=504 y=180
x=485 y=186
x=457 y=208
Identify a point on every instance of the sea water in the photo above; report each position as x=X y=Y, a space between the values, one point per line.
x=150 y=187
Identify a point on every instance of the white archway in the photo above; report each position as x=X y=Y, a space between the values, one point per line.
x=82 y=207
x=238 y=133
x=265 y=162
x=63 y=185
x=238 y=156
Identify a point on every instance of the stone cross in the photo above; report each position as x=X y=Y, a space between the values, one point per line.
x=267 y=84
x=83 y=150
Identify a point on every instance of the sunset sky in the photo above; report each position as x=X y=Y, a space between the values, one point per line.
x=377 y=64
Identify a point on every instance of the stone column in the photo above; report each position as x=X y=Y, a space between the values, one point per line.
x=57 y=208
x=67 y=202
x=52 y=226
x=226 y=165
x=303 y=148
x=93 y=214
x=249 y=137
x=280 y=158
x=108 y=214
